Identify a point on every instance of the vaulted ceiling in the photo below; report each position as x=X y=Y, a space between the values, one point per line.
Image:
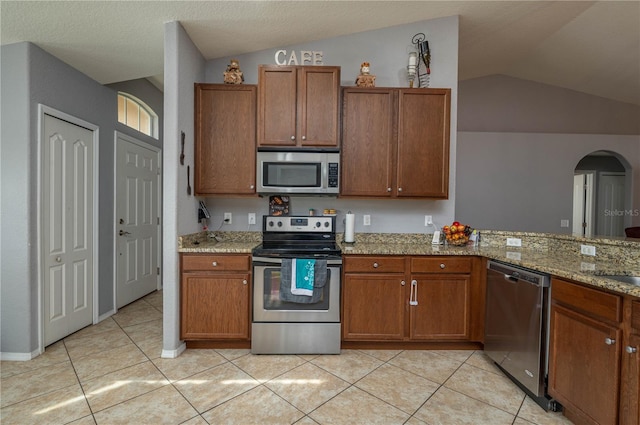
x=588 y=46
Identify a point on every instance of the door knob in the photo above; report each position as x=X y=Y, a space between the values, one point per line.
x=123 y=233
x=58 y=259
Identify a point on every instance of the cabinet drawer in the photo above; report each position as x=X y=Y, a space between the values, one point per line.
x=593 y=302
x=218 y=262
x=373 y=264
x=441 y=265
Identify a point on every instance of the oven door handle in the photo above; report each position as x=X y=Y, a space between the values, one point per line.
x=257 y=261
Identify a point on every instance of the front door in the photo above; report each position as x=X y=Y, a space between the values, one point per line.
x=137 y=219
x=68 y=227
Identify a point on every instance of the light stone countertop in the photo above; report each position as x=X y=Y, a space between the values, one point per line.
x=558 y=255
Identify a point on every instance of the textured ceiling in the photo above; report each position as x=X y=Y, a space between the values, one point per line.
x=592 y=47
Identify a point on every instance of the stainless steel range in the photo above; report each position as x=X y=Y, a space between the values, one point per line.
x=285 y=322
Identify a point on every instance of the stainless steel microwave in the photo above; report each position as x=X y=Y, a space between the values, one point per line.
x=304 y=171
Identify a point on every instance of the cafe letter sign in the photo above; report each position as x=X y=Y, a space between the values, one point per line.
x=307 y=57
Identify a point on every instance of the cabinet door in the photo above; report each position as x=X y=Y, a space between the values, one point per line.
x=225 y=139
x=443 y=307
x=373 y=307
x=215 y=306
x=368 y=142
x=584 y=365
x=630 y=408
x=423 y=143
x=318 y=105
x=277 y=92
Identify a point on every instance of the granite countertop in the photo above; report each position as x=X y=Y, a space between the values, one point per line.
x=553 y=254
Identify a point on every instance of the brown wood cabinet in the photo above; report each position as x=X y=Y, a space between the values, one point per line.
x=225 y=139
x=584 y=352
x=629 y=406
x=390 y=298
x=215 y=297
x=403 y=134
x=298 y=106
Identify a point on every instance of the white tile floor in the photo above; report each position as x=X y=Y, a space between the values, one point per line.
x=112 y=373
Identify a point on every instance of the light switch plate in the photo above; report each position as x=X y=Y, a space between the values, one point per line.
x=366 y=220
x=227 y=218
x=251 y=218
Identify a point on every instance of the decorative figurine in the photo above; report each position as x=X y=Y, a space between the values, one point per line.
x=365 y=79
x=233 y=74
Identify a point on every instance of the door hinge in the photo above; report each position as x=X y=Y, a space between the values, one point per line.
x=158 y=270
x=158 y=220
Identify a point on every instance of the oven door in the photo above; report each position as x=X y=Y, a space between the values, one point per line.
x=267 y=303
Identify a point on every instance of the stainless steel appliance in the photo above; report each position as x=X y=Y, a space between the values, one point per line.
x=517 y=327
x=282 y=326
x=302 y=171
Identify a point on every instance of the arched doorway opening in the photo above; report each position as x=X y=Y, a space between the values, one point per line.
x=601 y=194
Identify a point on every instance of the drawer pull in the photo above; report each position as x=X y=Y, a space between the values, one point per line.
x=442 y=266
x=214 y=264
x=609 y=341
x=375 y=265
x=629 y=349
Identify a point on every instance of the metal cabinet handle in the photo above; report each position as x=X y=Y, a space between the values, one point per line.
x=399 y=189
x=388 y=189
x=123 y=233
x=413 y=298
x=402 y=282
x=609 y=341
x=304 y=137
x=252 y=187
x=375 y=265
x=629 y=349
x=293 y=137
x=244 y=281
x=442 y=266
x=214 y=264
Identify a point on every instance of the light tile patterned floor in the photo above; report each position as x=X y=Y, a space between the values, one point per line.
x=112 y=373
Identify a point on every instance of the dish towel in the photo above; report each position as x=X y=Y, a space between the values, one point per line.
x=302 y=276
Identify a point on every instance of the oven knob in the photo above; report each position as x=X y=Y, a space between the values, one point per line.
x=326 y=224
x=279 y=224
x=318 y=224
x=271 y=224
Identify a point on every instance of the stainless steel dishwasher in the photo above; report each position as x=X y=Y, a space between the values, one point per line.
x=517 y=327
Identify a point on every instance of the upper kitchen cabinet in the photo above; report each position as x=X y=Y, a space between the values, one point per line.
x=225 y=139
x=402 y=134
x=298 y=106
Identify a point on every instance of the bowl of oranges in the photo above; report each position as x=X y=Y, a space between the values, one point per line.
x=457 y=234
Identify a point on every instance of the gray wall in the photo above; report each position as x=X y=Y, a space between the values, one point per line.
x=519 y=143
x=31 y=76
x=184 y=65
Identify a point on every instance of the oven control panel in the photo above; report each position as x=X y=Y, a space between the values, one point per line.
x=298 y=224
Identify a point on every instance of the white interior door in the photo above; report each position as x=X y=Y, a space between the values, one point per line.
x=137 y=195
x=611 y=195
x=583 y=203
x=67 y=214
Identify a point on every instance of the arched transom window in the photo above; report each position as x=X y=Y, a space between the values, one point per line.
x=136 y=114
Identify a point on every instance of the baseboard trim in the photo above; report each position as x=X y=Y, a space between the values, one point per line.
x=172 y=354
x=19 y=357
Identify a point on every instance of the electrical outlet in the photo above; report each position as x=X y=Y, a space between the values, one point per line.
x=514 y=242
x=564 y=223
x=227 y=218
x=588 y=250
x=366 y=220
x=251 y=218
x=428 y=220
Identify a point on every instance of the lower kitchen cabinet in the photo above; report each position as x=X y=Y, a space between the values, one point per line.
x=585 y=352
x=629 y=406
x=215 y=297
x=412 y=299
